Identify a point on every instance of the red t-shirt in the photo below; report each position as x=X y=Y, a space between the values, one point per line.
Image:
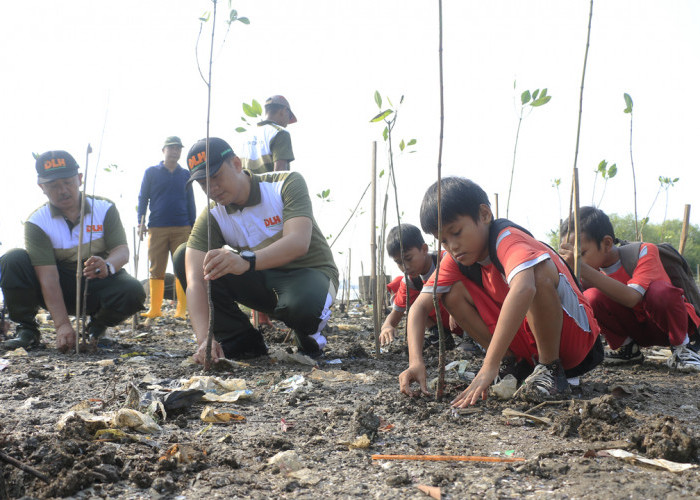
x=518 y=251
x=649 y=269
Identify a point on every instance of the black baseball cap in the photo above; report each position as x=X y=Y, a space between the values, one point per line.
x=219 y=151
x=54 y=165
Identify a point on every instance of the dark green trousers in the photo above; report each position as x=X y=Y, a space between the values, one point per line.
x=109 y=301
x=296 y=297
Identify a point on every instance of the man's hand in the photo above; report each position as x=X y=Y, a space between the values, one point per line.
x=95 y=267
x=200 y=357
x=566 y=250
x=414 y=373
x=65 y=338
x=142 y=230
x=220 y=262
x=478 y=389
x=387 y=335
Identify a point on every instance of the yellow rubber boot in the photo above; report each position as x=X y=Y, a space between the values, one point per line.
x=181 y=310
x=157 y=290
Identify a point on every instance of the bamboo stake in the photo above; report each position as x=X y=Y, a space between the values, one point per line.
x=373 y=248
x=684 y=229
x=495 y=198
x=26 y=468
x=79 y=263
x=137 y=254
x=448 y=458
x=440 y=389
x=349 y=279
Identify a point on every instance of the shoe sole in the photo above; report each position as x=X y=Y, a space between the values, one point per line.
x=617 y=361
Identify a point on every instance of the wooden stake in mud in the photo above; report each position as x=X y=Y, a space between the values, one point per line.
x=79 y=263
x=684 y=229
x=448 y=458
x=574 y=202
x=495 y=199
x=349 y=280
x=373 y=249
x=137 y=254
x=441 y=330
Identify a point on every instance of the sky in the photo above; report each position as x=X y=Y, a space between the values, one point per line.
x=72 y=69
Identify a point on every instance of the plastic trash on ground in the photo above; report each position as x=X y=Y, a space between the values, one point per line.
x=218 y=389
x=290 y=384
x=282 y=355
x=505 y=388
x=92 y=423
x=339 y=376
x=132 y=419
x=287 y=461
x=209 y=414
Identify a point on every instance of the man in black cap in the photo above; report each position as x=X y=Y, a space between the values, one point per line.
x=269 y=147
x=165 y=191
x=44 y=274
x=267 y=253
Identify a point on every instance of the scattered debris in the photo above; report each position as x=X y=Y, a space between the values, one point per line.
x=290 y=384
x=655 y=462
x=339 y=376
x=287 y=461
x=209 y=414
x=505 y=388
x=218 y=389
x=20 y=351
x=282 y=355
x=508 y=412
x=133 y=419
x=431 y=491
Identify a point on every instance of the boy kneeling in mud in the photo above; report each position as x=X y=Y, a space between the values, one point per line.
x=530 y=309
x=419 y=264
x=644 y=309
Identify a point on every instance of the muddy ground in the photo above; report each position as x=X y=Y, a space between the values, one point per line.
x=644 y=409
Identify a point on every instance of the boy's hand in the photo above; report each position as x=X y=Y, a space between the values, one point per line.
x=414 y=373
x=478 y=389
x=566 y=250
x=453 y=324
x=387 y=335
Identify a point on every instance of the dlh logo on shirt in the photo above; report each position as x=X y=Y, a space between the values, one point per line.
x=93 y=228
x=272 y=221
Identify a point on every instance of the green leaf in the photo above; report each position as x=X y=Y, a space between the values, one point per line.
x=381 y=116
x=612 y=171
x=248 y=110
x=541 y=101
x=543 y=94
x=602 y=166
x=401 y=101
x=525 y=97
x=240 y=129
x=233 y=15
x=385 y=134
x=205 y=17
x=402 y=145
x=378 y=99
x=411 y=142
x=535 y=94
x=257 y=108
x=244 y=20
x=35 y=155
x=676 y=179
x=389 y=101
x=628 y=103
x=326 y=193
x=381 y=174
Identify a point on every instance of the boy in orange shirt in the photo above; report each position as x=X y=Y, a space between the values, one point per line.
x=418 y=263
x=527 y=305
x=644 y=309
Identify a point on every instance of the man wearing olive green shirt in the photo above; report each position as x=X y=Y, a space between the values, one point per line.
x=267 y=253
x=45 y=273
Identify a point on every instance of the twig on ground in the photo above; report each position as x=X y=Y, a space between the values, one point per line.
x=26 y=468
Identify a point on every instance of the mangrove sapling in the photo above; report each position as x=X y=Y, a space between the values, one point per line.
x=665 y=183
x=528 y=100
x=606 y=173
x=389 y=116
x=629 y=107
x=556 y=183
x=232 y=18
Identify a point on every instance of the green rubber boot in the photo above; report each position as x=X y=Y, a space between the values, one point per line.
x=26 y=336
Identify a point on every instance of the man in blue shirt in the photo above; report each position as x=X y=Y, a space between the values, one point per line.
x=172 y=215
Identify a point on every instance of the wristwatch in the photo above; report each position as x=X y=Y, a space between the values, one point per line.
x=110 y=268
x=250 y=257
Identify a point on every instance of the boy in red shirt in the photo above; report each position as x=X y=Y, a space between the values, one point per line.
x=532 y=310
x=418 y=263
x=644 y=309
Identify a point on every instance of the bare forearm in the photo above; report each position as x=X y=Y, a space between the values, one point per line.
x=417 y=318
x=616 y=290
x=514 y=309
x=198 y=308
x=393 y=319
x=118 y=256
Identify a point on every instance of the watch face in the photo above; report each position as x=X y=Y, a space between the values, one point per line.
x=247 y=254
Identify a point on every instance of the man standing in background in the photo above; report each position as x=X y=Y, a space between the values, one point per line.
x=269 y=148
x=172 y=214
